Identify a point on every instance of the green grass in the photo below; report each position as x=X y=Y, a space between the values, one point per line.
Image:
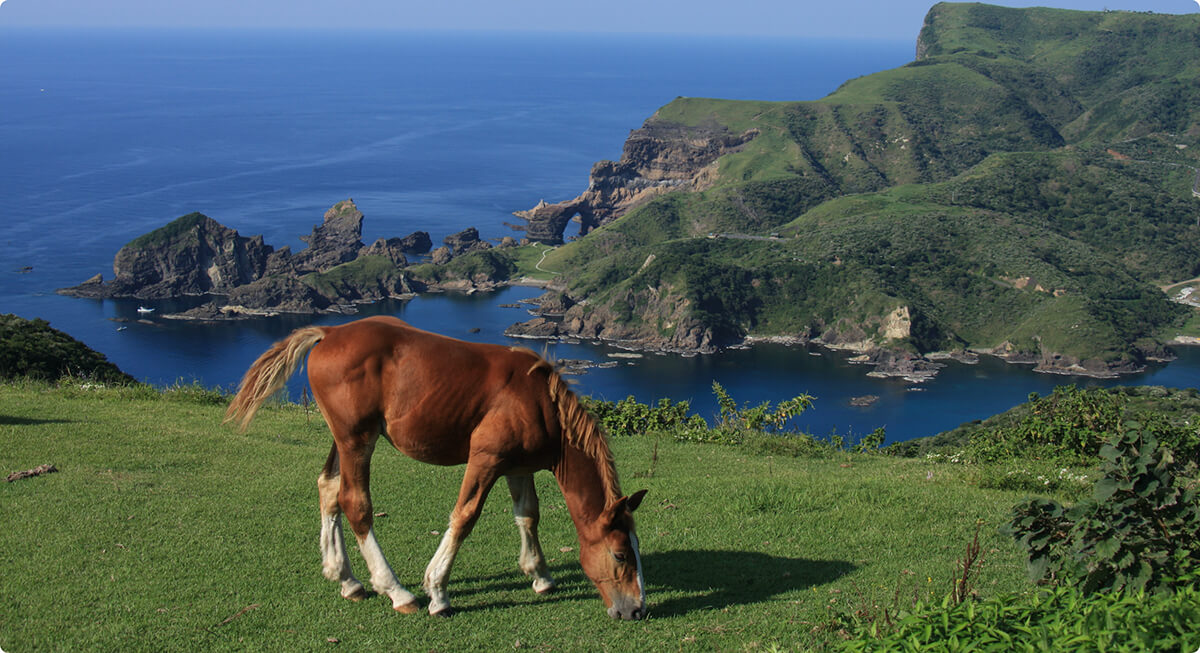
x=362 y=272
x=164 y=530
x=527 y=258
x=172 y=230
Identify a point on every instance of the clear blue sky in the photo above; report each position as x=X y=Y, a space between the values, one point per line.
x=873 y=19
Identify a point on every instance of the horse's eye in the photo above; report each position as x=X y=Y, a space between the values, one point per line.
x=619 y=557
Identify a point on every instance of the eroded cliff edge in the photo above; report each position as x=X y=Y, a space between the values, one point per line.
x=657 y=158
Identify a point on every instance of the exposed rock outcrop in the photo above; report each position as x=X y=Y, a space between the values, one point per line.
x=336 y=240
x=466 y=241
x=192 y=255
x=666 y=324
x=390 y=248
x=657 y=158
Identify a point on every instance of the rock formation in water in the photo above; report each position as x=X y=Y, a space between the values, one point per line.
x=337 y=240
x=193 y=255
x=196 y=256
x=465 y=241
x=657 y=158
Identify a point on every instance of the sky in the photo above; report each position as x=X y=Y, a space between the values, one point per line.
x=869 y=19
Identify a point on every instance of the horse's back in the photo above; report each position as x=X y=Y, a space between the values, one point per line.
x=436 y=397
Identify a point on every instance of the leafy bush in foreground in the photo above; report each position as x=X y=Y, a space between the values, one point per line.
x=1139 y=530
x=628 y=417
x=1060 y=619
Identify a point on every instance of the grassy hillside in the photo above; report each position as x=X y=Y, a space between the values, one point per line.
x=166 y=531
x=1024 y=184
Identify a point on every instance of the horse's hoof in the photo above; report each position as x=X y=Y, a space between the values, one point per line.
x=407 y=608
x=444 y=612
x=356 y=595
x=543 y=589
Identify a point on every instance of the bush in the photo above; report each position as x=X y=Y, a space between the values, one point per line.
x=1069 y=426
x=1060 y=619
x=628 y=417
x=1140 y=530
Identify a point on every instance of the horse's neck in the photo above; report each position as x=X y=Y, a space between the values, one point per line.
x=582 y=485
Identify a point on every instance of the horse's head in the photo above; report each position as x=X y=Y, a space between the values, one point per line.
x=612 y=560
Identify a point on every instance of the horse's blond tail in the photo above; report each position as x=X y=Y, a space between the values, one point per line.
x=268 y=374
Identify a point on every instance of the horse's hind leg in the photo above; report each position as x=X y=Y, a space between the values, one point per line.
x=334 y=563
x=354 y=497
x=525 y=512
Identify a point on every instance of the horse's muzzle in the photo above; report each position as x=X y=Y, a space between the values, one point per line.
x=632 y=614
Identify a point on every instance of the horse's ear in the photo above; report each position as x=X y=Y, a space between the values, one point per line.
x=635 y=499
x=629 y=503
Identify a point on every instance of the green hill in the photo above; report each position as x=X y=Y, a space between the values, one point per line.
x=1021 y=187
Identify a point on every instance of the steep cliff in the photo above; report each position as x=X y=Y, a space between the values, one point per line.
x=660 y=157
x=337 y=240
x=193 y=255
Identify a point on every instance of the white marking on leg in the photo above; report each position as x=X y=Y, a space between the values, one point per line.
x=334 y=563
x=382 y=578
x=438 y=572
x=525 y=510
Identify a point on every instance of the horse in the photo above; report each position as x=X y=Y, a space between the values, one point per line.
x=501 y=411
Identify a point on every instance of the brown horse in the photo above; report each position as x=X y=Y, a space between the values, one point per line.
x=502 y=411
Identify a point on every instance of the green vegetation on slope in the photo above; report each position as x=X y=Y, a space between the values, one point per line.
x=1009 y=188
x=34 y=349
x=171 y=231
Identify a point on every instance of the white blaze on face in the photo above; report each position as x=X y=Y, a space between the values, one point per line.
x=637 y=556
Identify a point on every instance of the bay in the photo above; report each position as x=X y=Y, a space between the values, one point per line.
x=105 y=135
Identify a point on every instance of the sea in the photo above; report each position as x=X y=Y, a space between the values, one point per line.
x=106 y=135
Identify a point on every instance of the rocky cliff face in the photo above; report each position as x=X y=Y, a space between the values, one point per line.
x=657 y=158
x=193 y=255
x=664 y=323
x=336 y=240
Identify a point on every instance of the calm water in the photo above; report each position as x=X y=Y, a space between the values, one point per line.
x=107 y=135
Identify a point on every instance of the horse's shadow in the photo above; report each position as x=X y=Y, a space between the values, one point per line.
x=12 y=420
x=718 y=579
x=708 y=580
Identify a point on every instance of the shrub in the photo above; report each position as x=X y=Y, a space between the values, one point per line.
x=1058 y=619
x=757 y=418
x=1139 y=530
x=1070 y=426
x=629 y=417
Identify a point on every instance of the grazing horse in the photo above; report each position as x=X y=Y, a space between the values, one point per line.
x=503 y=411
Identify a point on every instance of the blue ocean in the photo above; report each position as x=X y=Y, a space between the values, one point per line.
x=106 y=135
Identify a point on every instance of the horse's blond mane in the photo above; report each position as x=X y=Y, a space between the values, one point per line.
x=579 y=427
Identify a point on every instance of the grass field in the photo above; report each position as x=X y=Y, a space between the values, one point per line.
x=164 y=530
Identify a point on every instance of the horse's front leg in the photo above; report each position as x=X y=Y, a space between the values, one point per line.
x=526 y=514
x=481 y=474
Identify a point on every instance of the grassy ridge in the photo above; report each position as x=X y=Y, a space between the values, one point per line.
x=1013 y=155
x=165 y=531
